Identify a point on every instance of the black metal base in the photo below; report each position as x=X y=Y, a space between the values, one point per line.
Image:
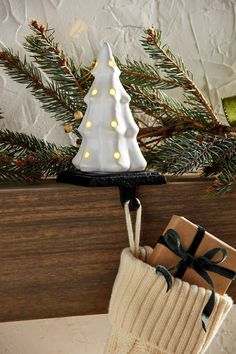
x=107 y=180
x=127 y=182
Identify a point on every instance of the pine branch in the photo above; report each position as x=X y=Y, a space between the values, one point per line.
x=173 y=68
x=10 y=174
x=163 y=108
x=167 y=109
x=176 y=108
x=144 y=80
x=223 y=167
x=162 y=131
x=143 y=75
x=53 y=98
x=184 y=153
x=145 y=86
x=171 y=65
x=225 y=160
x=15 y=142
x=49 y=56
x=190 y=160
x=188 y=152
x=222 y=184
x=26 y=158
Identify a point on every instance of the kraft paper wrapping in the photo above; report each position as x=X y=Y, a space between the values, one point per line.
x=161 y=255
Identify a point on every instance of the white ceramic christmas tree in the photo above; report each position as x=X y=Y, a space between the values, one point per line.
x=108 y=128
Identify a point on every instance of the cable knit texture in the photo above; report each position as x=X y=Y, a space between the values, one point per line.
x=147 y=319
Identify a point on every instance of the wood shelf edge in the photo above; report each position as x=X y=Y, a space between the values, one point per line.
x=52 y=184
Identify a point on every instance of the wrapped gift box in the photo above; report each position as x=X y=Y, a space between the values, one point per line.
x=161 y=255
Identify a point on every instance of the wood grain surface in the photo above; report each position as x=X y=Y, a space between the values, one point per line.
x=60 y=244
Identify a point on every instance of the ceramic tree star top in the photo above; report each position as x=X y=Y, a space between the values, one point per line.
x=108 y=128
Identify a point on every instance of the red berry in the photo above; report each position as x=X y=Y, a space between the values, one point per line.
x=20 y=163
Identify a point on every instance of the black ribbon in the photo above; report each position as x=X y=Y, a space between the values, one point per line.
x=200 y=264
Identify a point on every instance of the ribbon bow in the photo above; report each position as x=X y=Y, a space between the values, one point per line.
x=200 y=264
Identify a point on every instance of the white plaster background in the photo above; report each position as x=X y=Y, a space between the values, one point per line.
x=203 y=32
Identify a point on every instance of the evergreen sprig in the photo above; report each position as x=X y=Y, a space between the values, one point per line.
x=26 y=158
x=53 y=98
x=223 y=167
x=141 y=74
x=48 y=55
x=173 y=68
x=222 y=184
x=191 y=151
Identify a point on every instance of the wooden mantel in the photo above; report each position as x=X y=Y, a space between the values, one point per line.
x=60 y=244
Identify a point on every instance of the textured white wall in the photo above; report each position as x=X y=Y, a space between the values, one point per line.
x=202 y=32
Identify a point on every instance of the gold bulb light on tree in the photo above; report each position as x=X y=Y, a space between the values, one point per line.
x=78 y=115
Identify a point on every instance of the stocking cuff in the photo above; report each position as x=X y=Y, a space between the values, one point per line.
x=157 y=321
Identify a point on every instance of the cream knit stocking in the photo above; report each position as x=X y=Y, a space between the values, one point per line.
x=147 y=319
